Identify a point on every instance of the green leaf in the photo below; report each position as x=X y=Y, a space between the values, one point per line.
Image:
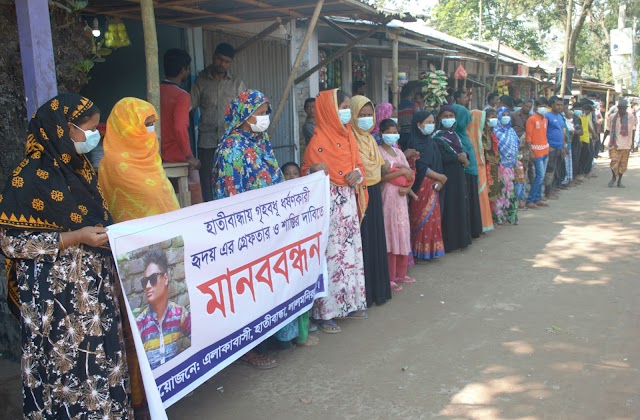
x=99 y=60
x=104 y=52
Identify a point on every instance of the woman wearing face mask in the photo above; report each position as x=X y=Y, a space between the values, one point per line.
x=506 y=206
x=456 y=225
x=334 y=149
x=374 y=243
x=131 y=173
x=475 y=130
x=463 y=118
x=424 y=212
x=61 y=276
x=491 y=157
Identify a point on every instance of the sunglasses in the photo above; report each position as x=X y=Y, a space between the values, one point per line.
x=153 y=279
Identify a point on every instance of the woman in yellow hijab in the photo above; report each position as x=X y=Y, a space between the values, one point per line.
x=374 y=242
x=131 y=173
x=135 y=185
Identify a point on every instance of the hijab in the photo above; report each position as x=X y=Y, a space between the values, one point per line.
x=508 y=142
x=474 y=131
x=244 y=160
x=463 y=118
x=369 y=151
x=131 y=173
x=424 y=144
x=383 y=112
x=335 y=144
x=54 y=188
x=448 y=135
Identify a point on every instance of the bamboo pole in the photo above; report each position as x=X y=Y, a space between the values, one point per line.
x=394 y=83
x=151 y=58
x=563 y=83
x=495 y=71
x=296 y=64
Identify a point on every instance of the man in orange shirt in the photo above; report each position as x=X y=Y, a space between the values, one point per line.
x=536 y=136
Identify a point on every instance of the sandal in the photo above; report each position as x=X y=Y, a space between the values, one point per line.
x=312 y=327
x=329 y=327
x=406 y=279
x=310 y=342
x=395 y=286
x=356 y=315
x=257 y=361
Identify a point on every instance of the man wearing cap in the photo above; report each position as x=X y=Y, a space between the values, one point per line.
x=622 y=126
x=212 y=91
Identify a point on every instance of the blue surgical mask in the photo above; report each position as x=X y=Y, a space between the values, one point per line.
x=427 y=129
x=517 y=108
x=577 y=113
x=493 y=122
x=390 y=139
x=92 y=139
x=365 y=123
x=345 y=115
x=542 y=110
x=505 y=120
x=448 y=122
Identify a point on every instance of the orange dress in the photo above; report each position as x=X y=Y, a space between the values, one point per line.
x=474 y=130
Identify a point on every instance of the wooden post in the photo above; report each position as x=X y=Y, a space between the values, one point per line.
x=36 y=53
x=395 y=89
x=151 y=58
x=442 y=63
x=565 y=64
x=296 y=64
x=495 y=72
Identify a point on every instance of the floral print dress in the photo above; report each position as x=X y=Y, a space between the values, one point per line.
x=73 y=359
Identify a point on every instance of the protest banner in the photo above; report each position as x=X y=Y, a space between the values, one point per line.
x=223 y=275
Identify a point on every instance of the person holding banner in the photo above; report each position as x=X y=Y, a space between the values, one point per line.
x=374 y=241
x=244 y=161
x=333 y=149
x=62 y=281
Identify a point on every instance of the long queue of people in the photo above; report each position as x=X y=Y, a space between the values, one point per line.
x=403 y=191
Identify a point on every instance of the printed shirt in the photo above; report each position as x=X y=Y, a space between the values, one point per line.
x=623 y=142
x=537 y=135
x=212 y=97
x=174 y=110
x=162 y=344
x=555 y=129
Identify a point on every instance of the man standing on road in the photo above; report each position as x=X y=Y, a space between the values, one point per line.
x=622 y=126
x=536 y=137
x=556 y=138
x=213 y=90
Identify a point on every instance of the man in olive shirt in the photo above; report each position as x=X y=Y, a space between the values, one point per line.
x=213 y=90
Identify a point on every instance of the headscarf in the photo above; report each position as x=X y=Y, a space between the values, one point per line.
x=383 y=112
x=369 y=151
x=244 y=160
x=508 y=141
x=131 y=173
x=53 y=188
x=474 y=131
x=335 y=144
x=448 y=135
x=463 y=118
x=430 y=157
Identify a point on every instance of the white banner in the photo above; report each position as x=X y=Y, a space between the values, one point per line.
x=222 y=276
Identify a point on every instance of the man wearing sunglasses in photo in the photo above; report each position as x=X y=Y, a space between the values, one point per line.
x=162 y=324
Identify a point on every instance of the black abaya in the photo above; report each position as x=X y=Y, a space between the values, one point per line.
x=475 y=217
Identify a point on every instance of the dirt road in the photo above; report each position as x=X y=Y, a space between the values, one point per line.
x=537 y=321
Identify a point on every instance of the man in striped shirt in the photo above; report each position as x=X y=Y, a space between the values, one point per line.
x=165 y=327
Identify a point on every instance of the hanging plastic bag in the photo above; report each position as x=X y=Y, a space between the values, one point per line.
x=460 y=73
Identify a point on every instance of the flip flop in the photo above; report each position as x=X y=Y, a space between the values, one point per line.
x=257 y=361
x=395 y=286
x=312 y=327
x=406 y=279
x=329 y=327
x=356 y=315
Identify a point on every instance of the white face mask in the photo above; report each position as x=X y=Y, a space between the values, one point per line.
x=505 y=120
x=345 y=115
x=92 y=138
x=493 y=122
x=365 y=123
x=151 y=128
x=261 y=125
x=391 y=139
x=542 y=110
x=427 y=129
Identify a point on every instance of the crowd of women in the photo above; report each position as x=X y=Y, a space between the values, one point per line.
x=395 y=202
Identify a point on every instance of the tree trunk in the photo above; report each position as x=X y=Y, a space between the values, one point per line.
x=575 y=33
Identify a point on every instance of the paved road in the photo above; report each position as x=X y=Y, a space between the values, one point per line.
x=537 y=321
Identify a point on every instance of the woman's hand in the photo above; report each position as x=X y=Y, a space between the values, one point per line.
x=442 y=179
x=352 y=178
x=409 y=153
x=93 y=236
x=404 y=191
x=438 y=186
x=319 y=167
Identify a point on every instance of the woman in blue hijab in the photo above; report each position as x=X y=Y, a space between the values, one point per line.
x=506 y=206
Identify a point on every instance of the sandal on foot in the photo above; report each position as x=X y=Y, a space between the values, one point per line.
x=310 y=342
x=312 y=327
x=257 y=361
x=395 y=286
x=611 y=183
x=406 y=279
x=356 y=315
x=329 y=327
